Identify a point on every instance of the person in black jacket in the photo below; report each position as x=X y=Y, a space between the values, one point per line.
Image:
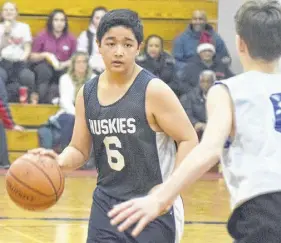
x=158 y=62
x=205 y=60
x=194 y=102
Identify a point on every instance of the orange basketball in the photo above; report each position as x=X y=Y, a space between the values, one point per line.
x=35 y=182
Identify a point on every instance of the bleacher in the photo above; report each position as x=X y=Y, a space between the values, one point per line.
x=166 y=18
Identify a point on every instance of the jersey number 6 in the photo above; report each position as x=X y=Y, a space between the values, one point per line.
x=119 y=163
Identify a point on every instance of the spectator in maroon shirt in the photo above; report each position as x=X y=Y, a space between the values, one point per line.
x=51 y=52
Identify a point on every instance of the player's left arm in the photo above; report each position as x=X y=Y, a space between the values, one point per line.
x=170 y=117
x=194 y=165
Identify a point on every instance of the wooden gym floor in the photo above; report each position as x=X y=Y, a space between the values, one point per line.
x=206 y=212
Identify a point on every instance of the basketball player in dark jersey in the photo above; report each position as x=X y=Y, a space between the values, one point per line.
x=133 y=120
x=243 y=129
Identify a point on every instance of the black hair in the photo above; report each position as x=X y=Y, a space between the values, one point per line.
x=258 y=23
x=51 y=16
x=153 y=36
x=121 y=17
x=100 y=8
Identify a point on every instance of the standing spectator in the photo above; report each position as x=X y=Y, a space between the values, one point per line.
x=205 y=59
x=158 y=62
x=6 y=121
x=51 y=51
x=185 y=45
x=86 y=42
x=15 y=47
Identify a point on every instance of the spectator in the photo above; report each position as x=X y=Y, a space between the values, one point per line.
x=15 y=47
x=69 y=84
x=6 y=121
x=57 y=133
x=194 y=102
x=185 y=45
x=51 y=52
x=204 y=60
x=158 y=62
x=86 y=42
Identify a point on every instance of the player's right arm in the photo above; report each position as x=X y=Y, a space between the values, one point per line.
x=78 y=151
x=219 y=126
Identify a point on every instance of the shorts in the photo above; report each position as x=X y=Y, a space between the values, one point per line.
x=167 y=228
x=257 y=220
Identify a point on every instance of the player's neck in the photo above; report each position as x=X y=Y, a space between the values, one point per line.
x=121 y=78
x=260 y=66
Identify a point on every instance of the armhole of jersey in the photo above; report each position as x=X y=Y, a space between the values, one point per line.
x=145 y=105
x=231 y=138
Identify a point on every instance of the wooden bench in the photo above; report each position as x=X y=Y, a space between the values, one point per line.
x=29 y=116
x=32 y=115
x=166 y=18
x=151 y=9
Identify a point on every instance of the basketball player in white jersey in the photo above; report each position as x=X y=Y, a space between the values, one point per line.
x=244 y=128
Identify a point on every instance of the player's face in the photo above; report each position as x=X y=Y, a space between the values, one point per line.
x=119 y=49
x=80 y=64
x=97 y=18
x=9 y=12
x=59 y=22
x=154 y=47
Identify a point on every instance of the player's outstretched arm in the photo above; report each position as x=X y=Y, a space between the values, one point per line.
x=195 y=164
x=78 y=151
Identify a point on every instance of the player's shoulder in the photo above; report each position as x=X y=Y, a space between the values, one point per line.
x=157 y=86
x=158 y=91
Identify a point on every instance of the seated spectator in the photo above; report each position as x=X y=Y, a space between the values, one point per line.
x=86 y=42
x=204 y=60
x=69 y=84
x=185 y=45
x=15 y=47
x=57 y=133
x=194 y=102
x=51 y=53
x=6 y=121
x=158 y=62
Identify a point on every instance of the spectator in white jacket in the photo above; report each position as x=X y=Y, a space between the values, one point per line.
x=69 y=84
x=86 y=42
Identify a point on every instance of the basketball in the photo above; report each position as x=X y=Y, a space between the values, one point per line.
x=35 y=182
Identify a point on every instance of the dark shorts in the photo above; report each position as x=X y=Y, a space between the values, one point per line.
x=162 y=230
x=258 y=220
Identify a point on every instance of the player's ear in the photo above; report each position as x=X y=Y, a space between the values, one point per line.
x=139 y=48
x=98 y=43
x=240 y=45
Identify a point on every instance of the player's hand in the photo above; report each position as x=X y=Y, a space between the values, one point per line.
x=140 y=211
x=42 y=151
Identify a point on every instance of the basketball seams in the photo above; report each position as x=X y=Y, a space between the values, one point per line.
x=61 y=178
x=15 y=199
x=47 y=177
x=27 y=186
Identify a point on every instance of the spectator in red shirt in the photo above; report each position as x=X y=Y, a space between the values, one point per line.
x=51 y=52
x=6 y=121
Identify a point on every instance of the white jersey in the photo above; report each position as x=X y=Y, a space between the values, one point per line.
x=251 y=162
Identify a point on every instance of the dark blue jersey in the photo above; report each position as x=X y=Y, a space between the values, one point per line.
x=130 y=157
